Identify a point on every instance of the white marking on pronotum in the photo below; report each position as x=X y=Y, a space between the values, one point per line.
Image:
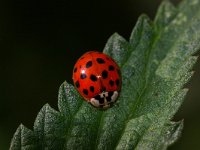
x=114 y=96
x=104 y=94
x=106 y=103
x=94 y=102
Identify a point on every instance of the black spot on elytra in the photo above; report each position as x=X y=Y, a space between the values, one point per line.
x=93 y=77
x=117 y=82
x=111 y=82
x=82 y=57
x=100 y=60
x=85 y=91
x=83 y=76
x=75 y=69
x=88 y=64
x=111 y=68
x=92 y=88
x=77 y=84
x=104 y=74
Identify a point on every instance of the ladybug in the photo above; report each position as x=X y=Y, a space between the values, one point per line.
x=97 y=78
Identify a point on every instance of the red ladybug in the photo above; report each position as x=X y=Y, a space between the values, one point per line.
x=97 y=78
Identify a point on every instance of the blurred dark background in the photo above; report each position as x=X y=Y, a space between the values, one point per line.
x=40 y=42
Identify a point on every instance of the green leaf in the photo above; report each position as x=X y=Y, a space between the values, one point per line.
x=49 y=128
x=23 y=139
x=155 y=64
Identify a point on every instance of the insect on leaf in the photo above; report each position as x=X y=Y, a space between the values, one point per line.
x=155 y=64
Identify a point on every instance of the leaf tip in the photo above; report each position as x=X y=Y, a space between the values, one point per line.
x=143 y=23
x=164 y=14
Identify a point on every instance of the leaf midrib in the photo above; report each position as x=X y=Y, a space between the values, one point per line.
x=101 y=118
x=137 y=99
x=145 y=85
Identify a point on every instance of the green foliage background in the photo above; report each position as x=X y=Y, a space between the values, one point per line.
x=160 y=70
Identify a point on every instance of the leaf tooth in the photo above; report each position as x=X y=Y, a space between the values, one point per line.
x=170 y=70
x=118 y=48
x=189 y=4
x=185 y=70
x=49 y=127
x=83 y=129
x=173 y=133
x=165 y=14
x=68 y=100
x=143 y=25
x=173 y=103
x=23 y=138
x=133 y=131
x=141 y=40
x=160 y=135
x=62 y=102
